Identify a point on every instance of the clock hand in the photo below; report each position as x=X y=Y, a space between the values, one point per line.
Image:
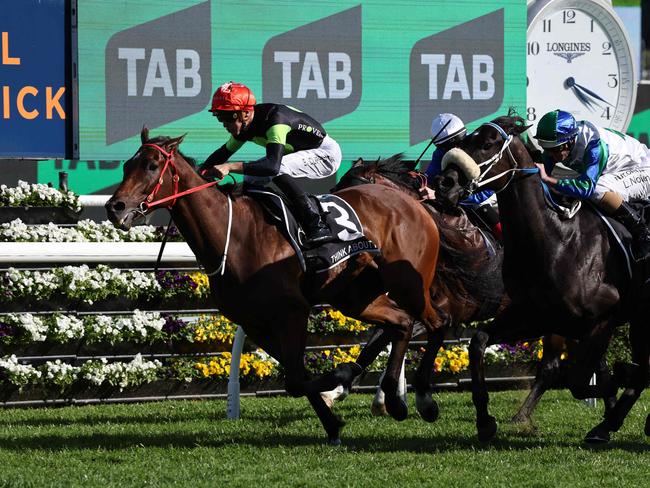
x=571 y=83
x=583 y=99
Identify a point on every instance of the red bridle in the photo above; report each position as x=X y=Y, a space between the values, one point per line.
x=169 y=163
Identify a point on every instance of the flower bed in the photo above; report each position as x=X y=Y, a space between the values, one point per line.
x=100 y=288
x=84 y=231
x=38 y=203
x=167 y=354
x=37 y=195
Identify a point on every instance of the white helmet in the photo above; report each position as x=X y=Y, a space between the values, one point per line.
x=447 y=127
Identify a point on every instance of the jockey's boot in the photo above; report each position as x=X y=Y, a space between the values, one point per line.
x=633 y=222
x=307 y=211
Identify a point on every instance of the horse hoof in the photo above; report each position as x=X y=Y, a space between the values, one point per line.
x=597 y=435
x=487 y=430
x=336 y=442
x=378 y=409
x=397 y=408
x=647 y=426
x=430 y=413
x=520 y=419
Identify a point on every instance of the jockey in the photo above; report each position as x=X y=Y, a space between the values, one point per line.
x=447 y=130
x=296 y=146
x=613 y=169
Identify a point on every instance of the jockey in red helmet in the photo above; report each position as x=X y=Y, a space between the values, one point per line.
x=297 y=146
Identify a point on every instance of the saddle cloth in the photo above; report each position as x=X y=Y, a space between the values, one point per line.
x=337 y=214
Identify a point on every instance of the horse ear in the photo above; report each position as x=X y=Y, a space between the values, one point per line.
x=175 y=142
x=144 y=134
x=358 y=162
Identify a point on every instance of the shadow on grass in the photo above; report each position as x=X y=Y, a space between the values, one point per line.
x=356 y=443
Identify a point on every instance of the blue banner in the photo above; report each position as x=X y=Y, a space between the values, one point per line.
x=33 y=91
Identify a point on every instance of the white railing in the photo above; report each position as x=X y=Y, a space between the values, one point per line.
x=12 y=253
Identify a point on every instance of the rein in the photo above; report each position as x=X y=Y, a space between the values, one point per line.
x=150 y=202
x=169 y=163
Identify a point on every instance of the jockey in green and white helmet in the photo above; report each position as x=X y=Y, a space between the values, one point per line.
x=612 y=168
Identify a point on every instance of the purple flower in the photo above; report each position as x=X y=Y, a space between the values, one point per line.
x=173 y=325
x=6 y=329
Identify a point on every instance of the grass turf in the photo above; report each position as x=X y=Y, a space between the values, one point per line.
x=279 y=442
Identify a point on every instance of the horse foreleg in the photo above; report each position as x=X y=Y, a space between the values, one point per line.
x=426 y=405
x=399 y=325
x=548 y=372
x=514 y=323
x=287 y=345
x=395 y=403
x=639 y=374
x=378 y=406
x=486 y=425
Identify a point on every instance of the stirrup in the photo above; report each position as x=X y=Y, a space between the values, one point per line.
x=318 y=236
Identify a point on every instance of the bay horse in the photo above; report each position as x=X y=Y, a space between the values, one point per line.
x=256 y=279
x=468 y=285
x=564 y=276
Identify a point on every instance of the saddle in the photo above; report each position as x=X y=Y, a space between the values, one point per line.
x=567 y=207
x=337 y=214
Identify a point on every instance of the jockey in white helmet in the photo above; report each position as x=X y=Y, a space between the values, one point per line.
x=447 y=131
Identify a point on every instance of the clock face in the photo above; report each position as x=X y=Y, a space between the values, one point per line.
x=579 y=60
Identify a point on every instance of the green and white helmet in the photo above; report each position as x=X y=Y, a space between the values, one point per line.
x=556 y=128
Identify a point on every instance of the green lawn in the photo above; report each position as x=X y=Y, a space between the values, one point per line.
x=279 y=442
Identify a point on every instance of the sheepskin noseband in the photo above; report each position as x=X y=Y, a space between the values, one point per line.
x=463 y=161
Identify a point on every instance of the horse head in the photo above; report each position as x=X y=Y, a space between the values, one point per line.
x=151 y=173
x=488 y=158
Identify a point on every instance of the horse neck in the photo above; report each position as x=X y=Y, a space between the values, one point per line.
x=527 y=221
x=202 y=218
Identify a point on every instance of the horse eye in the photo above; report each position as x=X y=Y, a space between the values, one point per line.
x=487 y=146
x=152 y=166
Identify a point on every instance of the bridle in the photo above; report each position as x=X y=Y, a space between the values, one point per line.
x=487 y=165
x=149 y=202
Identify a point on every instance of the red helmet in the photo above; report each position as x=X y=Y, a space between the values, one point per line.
x=232 y=96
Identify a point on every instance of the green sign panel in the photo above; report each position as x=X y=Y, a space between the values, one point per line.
x=373 y=74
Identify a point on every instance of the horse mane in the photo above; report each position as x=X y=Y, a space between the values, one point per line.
x=398 y=171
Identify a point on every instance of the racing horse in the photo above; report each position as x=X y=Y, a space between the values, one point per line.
x=564 y=276
x=256 y=279
x=468 y=284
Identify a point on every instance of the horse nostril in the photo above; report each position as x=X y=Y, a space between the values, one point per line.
x=118 y=206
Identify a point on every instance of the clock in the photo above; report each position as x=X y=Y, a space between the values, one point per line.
x=579 y=60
